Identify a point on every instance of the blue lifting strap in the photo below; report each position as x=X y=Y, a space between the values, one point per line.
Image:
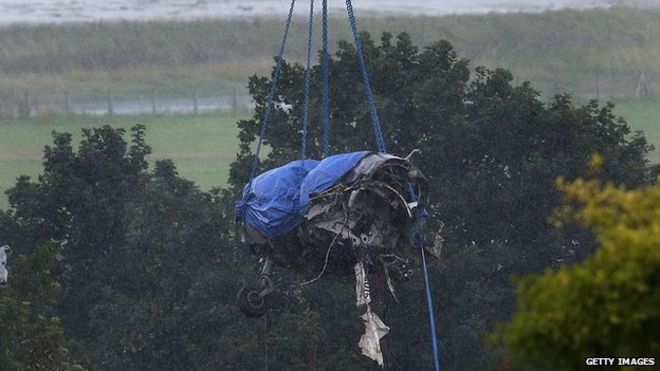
x=326 y=74
x=420 y=241
x=308 y=75
x=273 y=91
x=429 y=302
x=378 y=132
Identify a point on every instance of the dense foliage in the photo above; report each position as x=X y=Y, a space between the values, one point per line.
x=605 y=306
x=491 y=150
x=150 y=268
x=32 y=336
x=147 y=281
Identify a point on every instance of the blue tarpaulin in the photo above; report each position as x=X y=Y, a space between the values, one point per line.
x=328 y=172
x=278 y=198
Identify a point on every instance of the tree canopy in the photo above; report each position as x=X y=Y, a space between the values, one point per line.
x=32 y=336
x=492 y=151
x=605 y=306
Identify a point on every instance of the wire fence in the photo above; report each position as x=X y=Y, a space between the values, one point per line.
x=597 y=85
x=27 y=104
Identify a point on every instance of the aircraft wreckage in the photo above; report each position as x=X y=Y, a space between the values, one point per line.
x=358 y=213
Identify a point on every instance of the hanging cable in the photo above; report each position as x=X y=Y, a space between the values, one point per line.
x=266 y=363
x=378 y=132
x=273 y=91
x=419 y=239
x=326 y=85
x=429 y=302
x=308 y=75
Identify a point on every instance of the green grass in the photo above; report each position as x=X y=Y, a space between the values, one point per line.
x=202 y=146
x=573 y=51
x=208 y=80
x=643 y=115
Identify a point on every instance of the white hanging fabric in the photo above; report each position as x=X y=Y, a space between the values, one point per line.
x=5 y=251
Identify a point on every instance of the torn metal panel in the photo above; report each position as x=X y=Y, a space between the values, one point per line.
x=5 y=251
x=435 y=248
x=362 y=291
x=390 y=285
x=369 y=212
x=375 y=330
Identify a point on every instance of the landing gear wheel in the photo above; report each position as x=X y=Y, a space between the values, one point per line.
x=250 y=301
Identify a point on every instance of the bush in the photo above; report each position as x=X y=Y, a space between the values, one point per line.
x=609 y=304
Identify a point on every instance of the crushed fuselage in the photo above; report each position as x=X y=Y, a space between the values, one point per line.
x=368 y=221
x=367 y=216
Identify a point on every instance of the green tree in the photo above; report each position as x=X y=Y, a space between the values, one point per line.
x=149 y=273
x=80 y=199
x=491 y=150
x=31 y=336
x=607 y=305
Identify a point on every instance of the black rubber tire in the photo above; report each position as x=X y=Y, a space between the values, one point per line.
x=249 y=303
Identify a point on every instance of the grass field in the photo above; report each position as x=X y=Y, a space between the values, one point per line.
x=643 y=115
x=583 y=52
x=201 y=146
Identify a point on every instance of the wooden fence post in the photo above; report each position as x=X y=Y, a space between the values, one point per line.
x=110 y=103
x=67 y=106
x=234 y=101
x=642 y=86
x=195 y=107
x=154 y=97
x=24 y=106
